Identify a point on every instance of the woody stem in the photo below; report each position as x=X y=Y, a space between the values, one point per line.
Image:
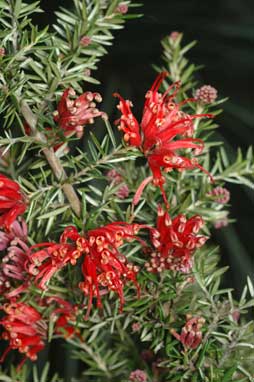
x=52 y=159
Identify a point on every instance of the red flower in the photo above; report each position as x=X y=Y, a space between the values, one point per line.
x=12 y=201
x=44 y=263
x=191 y=335
x=63 y=314
x=161 y=123
x=104 y=266
x=175 y=242
x=24 y=329
x=72 y=115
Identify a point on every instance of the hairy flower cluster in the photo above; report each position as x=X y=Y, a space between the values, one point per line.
x=138 y=376
x=206 y=94
x=191 y=335
x=122 y=8
x=116 y=178
x=156 y=136
x=73 y=114
x=174 y=242
x=220 y=194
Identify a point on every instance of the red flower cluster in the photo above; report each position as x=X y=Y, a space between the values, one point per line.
x=12 y=201
x=161 y=123
x=45 y=262
x=175 y=242
x=103 y=265
x=191 y=335
x=24 y=329
x=72 y=115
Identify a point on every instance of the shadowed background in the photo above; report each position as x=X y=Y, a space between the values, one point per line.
x=225 y=33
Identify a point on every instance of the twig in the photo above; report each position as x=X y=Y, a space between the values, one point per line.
x=52 y=159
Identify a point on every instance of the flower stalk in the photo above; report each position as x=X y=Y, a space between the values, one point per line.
x=52 y=159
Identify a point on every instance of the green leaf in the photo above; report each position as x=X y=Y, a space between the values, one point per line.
x=229 y=374
x=55 y=212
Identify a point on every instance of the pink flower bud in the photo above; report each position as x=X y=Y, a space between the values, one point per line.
x=138 y=376
x=122 y=8
x=123 y=192
x=136 y=327
x=2 y=52
x=174 y=35
x=221 y=195
x=85 y=41
x=114 y=176
x=206 y=94
x=220 y=223
x=236 y=315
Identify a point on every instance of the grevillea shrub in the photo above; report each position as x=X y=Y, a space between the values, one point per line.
x=114 y=258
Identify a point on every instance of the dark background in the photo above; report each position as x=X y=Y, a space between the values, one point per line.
x=225 y=33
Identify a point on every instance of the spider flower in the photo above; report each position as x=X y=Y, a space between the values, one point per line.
x=191 y=335
x=12 y=201
x=105 y=267
x=73 y=115
x=49 y=258
x=163 y=131
x=175 y=241
x=24 y=329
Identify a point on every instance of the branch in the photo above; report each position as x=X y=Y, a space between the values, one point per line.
x=53 y=161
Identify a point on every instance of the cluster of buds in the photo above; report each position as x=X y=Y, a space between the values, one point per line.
x=136 y=326
x=122 y=8
x=73 y=114
x=221 y=223
x=85 y=41
x=175 y=241
x=161 y=123
x=138 y=376
x=12 y=267
x=116 y=178
x=2 y=52
x=220 y=194
x=12 y=201
x=206 y=94
x=191 y=335
x=25 y=330
x=174 y=35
